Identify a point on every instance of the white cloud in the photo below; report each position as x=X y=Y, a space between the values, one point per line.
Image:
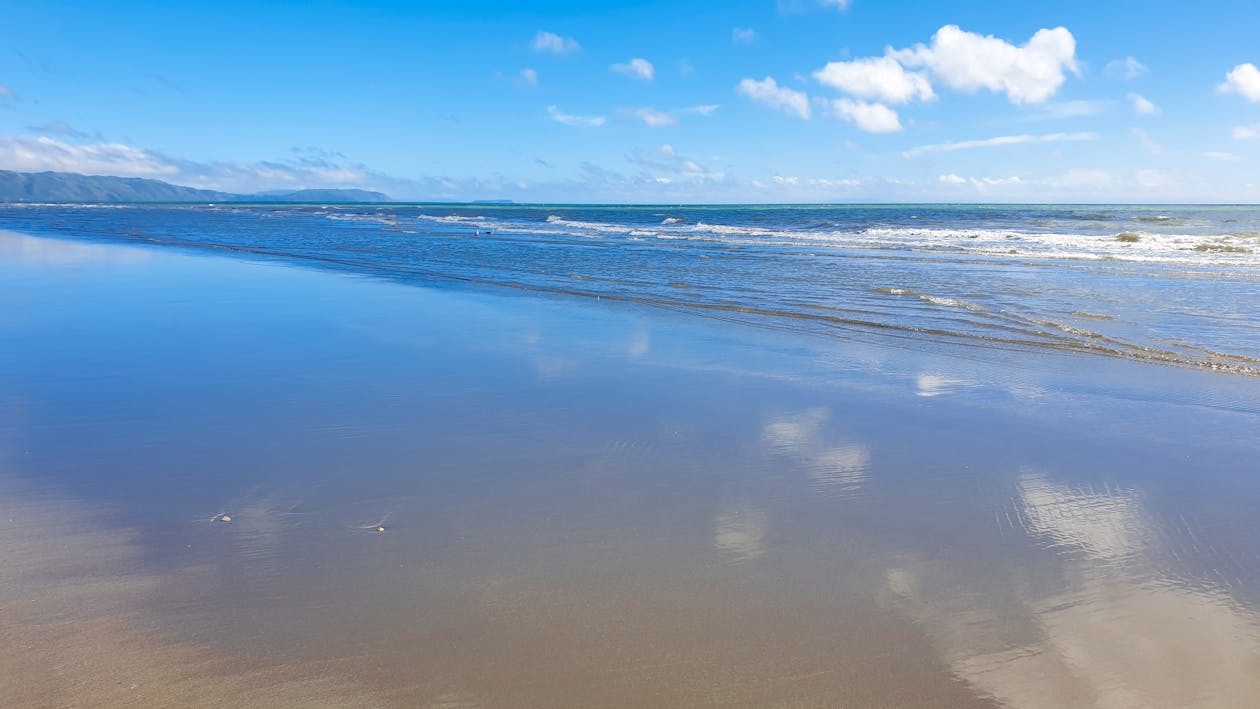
x=966 y=61
x=46 y=154
x=1215 y=155
x=1152 y=147
x=570 y=119
x=666 y=166
x=655 y=118
x=1001 y=140
x=1127 y=68
x=876 y=78
x=636 y=68
x=528 y=77
x=1243 y=80
x=5 y=92
x=705 y=110
x=743 y=35
x=554 y=44
x=937 y=383
x=1246 y=132
x=769 y=92
x=795 y=6
x=1068 y=109
x=868 y=117
x=63 y=128
x=309 y=167
x=1142 y=106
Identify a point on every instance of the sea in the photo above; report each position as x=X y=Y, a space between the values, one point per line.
x=1169 y=284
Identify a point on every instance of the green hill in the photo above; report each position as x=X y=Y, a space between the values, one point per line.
x=70 y=187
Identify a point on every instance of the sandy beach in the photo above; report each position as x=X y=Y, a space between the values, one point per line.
x=233 y=482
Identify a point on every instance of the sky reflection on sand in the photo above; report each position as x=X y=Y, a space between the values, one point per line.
x=688 y=512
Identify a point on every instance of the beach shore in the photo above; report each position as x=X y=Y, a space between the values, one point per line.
x=225 y=481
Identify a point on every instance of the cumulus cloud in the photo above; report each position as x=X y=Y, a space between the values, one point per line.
x=876 y=78
x=868 y=117
x=553 y=43
x=743 y=35
x=969 y=62
x=1246 y=132
x=1142 y=106
x=769 y=92
x=1243 y=80
x=999 y=141
x=636 y=68
x=576 y=121
x=1128 y=68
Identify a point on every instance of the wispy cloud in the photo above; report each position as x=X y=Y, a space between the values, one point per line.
x=666 y=165
x=637 y=68
x=527 y=78
x=1142 y=106
x=1217 y=155
x=306 y=168
x=999 y=141
x=553 y=43
x=1152 y=146
x=795 y=6
x=1128 y=68
x=1250 y=132
x=769 y=92
x=6 y=93
x=743 y=35
x=63 y=128
x=979 y=182
x=654 y=118
x=705 y=110
x=570 y=119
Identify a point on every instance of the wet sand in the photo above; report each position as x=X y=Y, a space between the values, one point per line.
x=588 y=504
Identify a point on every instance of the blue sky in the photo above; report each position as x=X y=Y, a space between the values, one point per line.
x=747 y=101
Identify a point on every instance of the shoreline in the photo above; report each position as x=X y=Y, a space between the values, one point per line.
x=589 y=504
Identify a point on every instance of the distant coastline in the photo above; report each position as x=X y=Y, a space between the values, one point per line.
x=67 y=187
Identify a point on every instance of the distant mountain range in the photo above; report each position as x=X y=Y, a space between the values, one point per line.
x=71 y=187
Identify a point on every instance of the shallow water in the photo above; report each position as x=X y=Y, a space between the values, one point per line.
x=1169 y=284
x=590 y=503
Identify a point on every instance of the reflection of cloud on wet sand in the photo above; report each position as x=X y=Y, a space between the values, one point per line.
x=58 y=253
x=740 y=532
x=1113 y=636
x=74 y=603
x=1109 y=524
x=840 y=468
x=929 y=385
